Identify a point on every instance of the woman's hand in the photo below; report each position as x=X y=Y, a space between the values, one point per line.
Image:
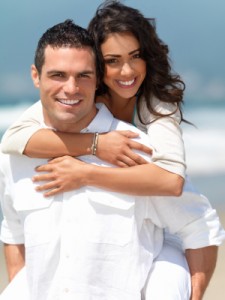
x=66 y=173
x=116 y=147
x=62 y=174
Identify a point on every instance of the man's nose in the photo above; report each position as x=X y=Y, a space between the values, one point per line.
x=71 y=86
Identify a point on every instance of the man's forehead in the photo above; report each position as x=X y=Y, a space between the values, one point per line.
x=70 y=56
x=57 y=49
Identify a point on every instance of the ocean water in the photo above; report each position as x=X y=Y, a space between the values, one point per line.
x=204 y=143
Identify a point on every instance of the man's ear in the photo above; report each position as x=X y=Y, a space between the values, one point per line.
x=35 y=76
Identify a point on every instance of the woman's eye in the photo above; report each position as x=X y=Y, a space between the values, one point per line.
x=84 y=75
x=137 y=55
x=110 y=61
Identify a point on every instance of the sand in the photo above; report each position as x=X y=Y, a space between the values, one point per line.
x=3 y=274
x=215 y=290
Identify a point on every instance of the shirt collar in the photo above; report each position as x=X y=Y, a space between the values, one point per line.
x=102 y=121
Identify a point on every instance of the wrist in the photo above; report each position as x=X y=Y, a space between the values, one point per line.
x=94 y=143
x=87 y=175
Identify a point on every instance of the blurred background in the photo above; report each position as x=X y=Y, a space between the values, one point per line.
x=194 y=31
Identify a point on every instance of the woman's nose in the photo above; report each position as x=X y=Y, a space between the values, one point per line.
x=126 y=69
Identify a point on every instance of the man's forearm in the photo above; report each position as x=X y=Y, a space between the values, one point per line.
x=202 y=264
x=15 y=259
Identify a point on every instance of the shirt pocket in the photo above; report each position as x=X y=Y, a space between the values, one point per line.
x=111 y=219
x=33 y=210
x=37 y=227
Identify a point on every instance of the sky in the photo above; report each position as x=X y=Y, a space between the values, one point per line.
x=193 y=29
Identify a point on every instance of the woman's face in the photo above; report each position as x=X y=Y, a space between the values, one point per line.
x=125 y=70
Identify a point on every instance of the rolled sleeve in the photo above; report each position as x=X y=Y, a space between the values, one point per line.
x=190 y=217
x=166 y=138
x=18 y=134
x=206 y=231
x=11 y=233
x=165 y=135
x=11 y=226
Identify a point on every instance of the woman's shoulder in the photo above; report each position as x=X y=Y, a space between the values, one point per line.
x=162 y=108
x=33 y=112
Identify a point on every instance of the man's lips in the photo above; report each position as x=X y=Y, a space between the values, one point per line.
x=69 y=101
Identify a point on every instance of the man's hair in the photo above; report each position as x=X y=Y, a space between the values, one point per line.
x=65 y=34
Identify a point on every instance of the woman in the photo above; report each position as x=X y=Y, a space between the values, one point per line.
x=136 y=84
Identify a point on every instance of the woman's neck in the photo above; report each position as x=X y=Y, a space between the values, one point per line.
x=121 y=108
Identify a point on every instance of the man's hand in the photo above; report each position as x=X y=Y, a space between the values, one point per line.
x=117 y=148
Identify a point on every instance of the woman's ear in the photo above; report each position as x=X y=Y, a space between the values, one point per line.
x=35 y=76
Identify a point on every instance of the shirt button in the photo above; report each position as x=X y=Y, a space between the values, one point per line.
x=66 y=290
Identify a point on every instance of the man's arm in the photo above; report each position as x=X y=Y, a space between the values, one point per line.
x=15 y=259
x=202 y=263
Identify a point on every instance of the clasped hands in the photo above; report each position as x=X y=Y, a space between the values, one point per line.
x=66 y=173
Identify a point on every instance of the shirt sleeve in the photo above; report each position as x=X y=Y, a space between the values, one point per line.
x=165 y=136
x=18 y=134
x=189 y=216
x=11 y=226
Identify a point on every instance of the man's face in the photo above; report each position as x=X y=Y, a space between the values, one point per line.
x=67 y=86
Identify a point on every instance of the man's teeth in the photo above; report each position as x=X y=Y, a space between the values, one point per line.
x=69 y=102
x=127 y=82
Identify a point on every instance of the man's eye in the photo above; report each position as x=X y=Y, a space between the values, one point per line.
x=58 y=75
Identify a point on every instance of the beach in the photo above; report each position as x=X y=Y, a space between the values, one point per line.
x=3 y=274
x=216 y=288
x=215 y=291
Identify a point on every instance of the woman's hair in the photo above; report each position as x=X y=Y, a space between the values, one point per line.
x=114 y=17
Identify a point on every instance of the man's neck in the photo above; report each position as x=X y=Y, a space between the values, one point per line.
x=70 y=126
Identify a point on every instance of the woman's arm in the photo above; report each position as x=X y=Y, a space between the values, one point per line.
x=67 y=173
x=115 y=147
x=27 y=136
x=16 y=137
x=165 y=135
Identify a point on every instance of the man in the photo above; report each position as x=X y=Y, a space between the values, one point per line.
x=87 y=243
x=84 y=243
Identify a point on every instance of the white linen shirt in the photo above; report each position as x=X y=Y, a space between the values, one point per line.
x=91 y=244
x=84 y=244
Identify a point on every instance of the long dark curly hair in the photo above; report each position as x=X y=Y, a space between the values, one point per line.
x=115 y=17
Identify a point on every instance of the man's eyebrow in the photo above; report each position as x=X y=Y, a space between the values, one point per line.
x=54 y=71
x=63 y=72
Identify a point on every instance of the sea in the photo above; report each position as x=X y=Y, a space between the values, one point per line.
x=204 y=142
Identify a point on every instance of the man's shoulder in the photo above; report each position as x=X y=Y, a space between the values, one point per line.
x=18 y=165
x=4 y=163
x=121 y=125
